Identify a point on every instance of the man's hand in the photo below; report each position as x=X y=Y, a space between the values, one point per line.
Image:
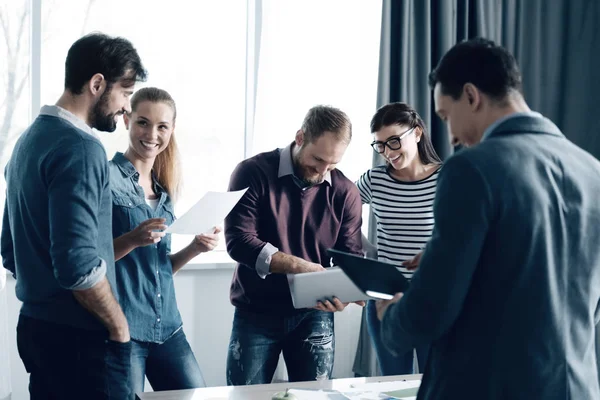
x=382 y=305
x=282 y=263
x=206 y=242
x=120 y=334
x=335 y=305
x=307 y=266
x=414 y=263
x=100 y=301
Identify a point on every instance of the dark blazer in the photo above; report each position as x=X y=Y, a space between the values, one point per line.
x=508 y=287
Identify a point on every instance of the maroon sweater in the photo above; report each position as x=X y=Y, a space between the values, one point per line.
x=303 y=223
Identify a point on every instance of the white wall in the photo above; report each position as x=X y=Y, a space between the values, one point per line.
x=203 y=297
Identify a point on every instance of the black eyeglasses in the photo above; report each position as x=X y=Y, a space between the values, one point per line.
x=394 y=143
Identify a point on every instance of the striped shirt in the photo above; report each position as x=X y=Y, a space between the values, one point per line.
x=403 y=211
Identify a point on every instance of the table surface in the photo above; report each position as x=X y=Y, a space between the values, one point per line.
x=264 y=392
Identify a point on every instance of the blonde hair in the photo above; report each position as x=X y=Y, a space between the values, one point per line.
x=167 y=165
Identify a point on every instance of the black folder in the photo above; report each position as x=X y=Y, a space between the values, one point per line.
x=376 y=279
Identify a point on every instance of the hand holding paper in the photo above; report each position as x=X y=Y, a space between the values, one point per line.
x=207 y=213
x=206 y=242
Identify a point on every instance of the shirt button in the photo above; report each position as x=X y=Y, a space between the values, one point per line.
x=129 y=203
x=158 y=320
x=159 y=295
x=157 y=271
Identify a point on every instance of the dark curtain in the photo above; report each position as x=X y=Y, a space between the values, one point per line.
x=556 y=43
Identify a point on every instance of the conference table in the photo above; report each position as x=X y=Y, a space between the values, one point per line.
x=265 y=392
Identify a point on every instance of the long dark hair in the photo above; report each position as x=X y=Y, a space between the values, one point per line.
x=403 y=114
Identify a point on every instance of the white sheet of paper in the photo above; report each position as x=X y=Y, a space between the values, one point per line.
x=208 y=212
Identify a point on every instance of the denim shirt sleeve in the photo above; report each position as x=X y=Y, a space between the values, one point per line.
x=76 y=176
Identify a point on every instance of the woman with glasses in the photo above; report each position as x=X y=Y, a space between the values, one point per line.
x=400 y=194
x=144 y=184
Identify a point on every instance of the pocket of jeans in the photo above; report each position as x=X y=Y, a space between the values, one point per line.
x=117 y=371
x=118 y=354
x=118 y=350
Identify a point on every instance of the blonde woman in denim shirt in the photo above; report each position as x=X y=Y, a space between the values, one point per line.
x=144 y=183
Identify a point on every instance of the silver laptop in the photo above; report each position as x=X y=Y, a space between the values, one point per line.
x=309 y=288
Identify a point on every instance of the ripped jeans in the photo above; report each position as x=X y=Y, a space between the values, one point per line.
x=306 y=339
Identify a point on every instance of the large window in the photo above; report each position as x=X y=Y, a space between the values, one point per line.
x=318 y=52
x=190 y=51
x=243 y=73
x=15 y=97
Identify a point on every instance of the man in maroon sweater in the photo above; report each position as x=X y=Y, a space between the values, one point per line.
x=296 y=207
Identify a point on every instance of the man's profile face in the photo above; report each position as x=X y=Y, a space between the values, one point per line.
x=458 y=116
x=315 y=159
x=113 y=103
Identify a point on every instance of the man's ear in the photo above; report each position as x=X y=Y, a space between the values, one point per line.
x=97 y=85
x=299 y=138
x=473 y=95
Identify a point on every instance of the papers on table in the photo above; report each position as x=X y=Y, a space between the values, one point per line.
x=405 y=390
x=401 y=390
x=207 y=213
x=308 y=394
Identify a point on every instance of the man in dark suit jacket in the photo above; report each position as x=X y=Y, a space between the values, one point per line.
x=508 y=288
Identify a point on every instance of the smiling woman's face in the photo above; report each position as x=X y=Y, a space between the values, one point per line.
x=150 y=128
x=405 y=156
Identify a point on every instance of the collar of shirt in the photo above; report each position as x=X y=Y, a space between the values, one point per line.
x=59 y=112
x=286 y=167
x=497 y=122
x=128 y=170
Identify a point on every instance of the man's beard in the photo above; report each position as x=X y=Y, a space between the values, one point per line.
x=304 y=173
x=98 y=117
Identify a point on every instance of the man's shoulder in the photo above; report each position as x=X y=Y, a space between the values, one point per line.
x=342 y=184
x=64 y=134
x=267 y=161
x=51 y=137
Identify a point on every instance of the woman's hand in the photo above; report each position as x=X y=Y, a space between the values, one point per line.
x=206 y=242
x=146 y=233
x=413 y=264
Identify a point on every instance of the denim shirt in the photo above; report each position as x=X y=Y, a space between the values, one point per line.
x=145 y=275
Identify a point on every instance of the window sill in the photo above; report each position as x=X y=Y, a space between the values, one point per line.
x=218 y=259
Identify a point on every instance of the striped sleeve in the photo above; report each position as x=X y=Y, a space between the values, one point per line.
x=364 y=187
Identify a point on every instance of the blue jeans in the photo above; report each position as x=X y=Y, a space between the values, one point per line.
x=68 y=363
x=169 y=366
x=388 y=363
x=306 y=340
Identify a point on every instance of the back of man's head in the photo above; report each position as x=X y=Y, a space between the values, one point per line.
x=96 y=53
x=491 y=68
x=321 y=119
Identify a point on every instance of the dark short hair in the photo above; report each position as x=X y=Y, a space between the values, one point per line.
x=321 y=119
x=491 y=68
x=97 y=53
x=403 y=114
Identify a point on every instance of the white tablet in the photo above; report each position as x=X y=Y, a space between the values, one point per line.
x=311 y=287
